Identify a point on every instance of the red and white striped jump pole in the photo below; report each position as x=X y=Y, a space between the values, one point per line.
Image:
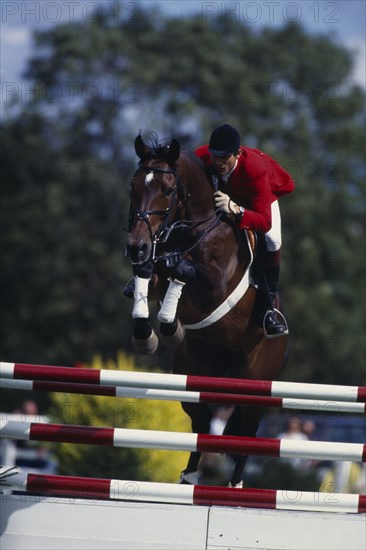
x=186 y=396
x=105 y=377
x=114 y=489
x=179 y=441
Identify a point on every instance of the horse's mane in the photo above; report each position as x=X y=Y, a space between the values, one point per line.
x=151 y=139
x=158 y=150
x=158 y=147
x=194 y=159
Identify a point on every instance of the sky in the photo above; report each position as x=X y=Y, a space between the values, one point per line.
x=345 y=19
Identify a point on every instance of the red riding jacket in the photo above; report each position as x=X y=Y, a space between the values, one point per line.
x=256 y=182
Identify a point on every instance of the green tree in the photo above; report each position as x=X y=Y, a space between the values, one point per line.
x=62 y=251
x=118 y=463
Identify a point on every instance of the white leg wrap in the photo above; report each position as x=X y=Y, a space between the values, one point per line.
x=140 y=307
x=169 y=306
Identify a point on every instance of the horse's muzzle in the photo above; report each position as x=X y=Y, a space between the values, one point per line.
x=137 y=253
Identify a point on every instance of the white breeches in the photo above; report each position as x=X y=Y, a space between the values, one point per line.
x=273 y=236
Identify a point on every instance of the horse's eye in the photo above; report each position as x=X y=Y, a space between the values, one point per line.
x=168 y=192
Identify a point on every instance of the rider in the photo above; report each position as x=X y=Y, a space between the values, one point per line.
x=248 y=184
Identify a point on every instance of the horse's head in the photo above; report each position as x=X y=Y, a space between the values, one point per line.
x=154 y=198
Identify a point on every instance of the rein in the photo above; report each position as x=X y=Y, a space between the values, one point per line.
x=172 y=258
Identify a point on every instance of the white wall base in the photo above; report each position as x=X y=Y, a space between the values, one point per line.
x=62 y=523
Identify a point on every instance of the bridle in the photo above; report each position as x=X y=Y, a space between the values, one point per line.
x=165 y=229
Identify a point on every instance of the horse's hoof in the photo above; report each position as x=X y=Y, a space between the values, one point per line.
x=171 y=334
x=190 y=478
x=147 y=346
x=240 y=485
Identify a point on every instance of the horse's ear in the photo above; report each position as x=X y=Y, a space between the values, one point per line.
x=174 y=151
x=140 y=148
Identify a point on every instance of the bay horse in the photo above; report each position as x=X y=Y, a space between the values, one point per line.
x=195 y=261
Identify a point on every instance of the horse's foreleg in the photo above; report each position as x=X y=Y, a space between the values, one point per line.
x=185 y=272
x=140 y=306
x=168 y=310
x=144 y=339
x=171 y=331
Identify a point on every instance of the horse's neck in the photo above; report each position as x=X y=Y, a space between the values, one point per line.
x=199 y=203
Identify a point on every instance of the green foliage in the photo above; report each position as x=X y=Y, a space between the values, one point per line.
x=277 y=474
x=118 y=463
x=67 y=157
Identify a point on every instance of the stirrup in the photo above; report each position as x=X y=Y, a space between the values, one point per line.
x=282 y=318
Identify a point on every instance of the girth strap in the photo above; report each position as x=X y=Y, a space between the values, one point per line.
x=230 y=301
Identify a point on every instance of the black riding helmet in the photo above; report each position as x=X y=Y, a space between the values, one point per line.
x=224 y=141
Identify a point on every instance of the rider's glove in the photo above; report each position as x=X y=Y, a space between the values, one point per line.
x=184 y=271
x=223 y=202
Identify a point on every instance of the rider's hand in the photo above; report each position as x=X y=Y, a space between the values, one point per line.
x=223 y=202
x=184 y=271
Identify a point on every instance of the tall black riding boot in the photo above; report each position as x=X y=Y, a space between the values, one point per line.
x=274 y=325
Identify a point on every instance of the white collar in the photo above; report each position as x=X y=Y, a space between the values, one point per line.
x=226 y=176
